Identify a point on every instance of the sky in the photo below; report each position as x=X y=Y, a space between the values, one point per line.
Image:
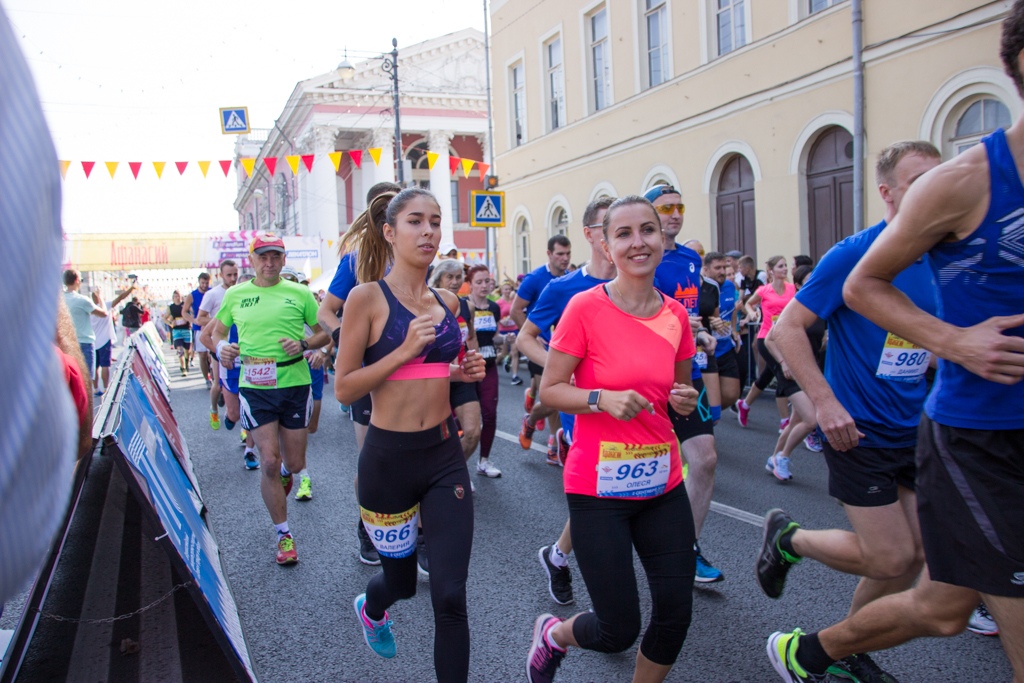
x=139 y=81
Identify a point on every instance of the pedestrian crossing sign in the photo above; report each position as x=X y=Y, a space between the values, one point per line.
x=488 y=209
x=234 y=120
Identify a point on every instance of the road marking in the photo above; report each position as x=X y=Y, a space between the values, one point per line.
x=727 y=510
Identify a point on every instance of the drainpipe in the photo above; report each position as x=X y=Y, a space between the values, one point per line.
x=858 y=116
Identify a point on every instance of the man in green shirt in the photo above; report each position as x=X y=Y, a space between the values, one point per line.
x=274 y=389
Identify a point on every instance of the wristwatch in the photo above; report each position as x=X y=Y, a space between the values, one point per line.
x=304 y=344
x=592 y=400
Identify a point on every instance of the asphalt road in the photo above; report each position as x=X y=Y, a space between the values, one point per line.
x=299 y=620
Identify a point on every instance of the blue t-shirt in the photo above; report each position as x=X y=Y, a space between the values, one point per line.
x=344 y=277
x=726 y=305
x=678 y=276
x=981 y=277
x=533 y=284
x=197 y=299
x=547 y=310
x=864 y=361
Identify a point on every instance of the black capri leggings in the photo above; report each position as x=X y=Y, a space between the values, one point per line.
x=604 y=533
x=397 y=471
x=772 y=368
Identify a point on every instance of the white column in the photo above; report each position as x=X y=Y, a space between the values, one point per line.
x=385 y=170
x=440 y=180
x=322 y=199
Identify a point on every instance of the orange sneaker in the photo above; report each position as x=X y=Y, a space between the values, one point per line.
x=286 y=550
x=526 y=433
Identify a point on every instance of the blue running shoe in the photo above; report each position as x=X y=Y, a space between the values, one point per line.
x=782 y=468
x=705 y=572
x=228 y=424
x=378 y=637
x=251 y=461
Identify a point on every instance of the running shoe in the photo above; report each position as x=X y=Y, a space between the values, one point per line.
x=773 y=562
x=251 y=461
x=220 y=399
x=540 y=424
x=486 y=469
x=287 y=482
x=742 y=412
x=228 y=424
x=553 y=452
x=378 y=637
x=286 y=550
x=783 y=423
x=982 y=623
x=778 y=466
x=305 y=491
x=516 y=381
x=422 y=564
x=559 y=578
x=526 y=433
x=507 y=364
x=813 y=443
x=860 y=669
x=367 y=553
x=209 y=384
x=214 y=421
x=183 y=373
x=782 y=654
x=706 y=573
x=543 y=660
x=528 y=399
x=563 y=446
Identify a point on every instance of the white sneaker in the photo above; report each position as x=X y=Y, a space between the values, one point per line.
x=486 y=469
x=981 y=622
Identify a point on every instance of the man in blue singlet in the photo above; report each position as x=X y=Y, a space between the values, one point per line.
x=190 y=309
x=967 y=216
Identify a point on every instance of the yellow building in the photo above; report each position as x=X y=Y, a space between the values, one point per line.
x=746 y=106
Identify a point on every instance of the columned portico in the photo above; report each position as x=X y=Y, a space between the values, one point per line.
x=322 y=216
x=440 y=179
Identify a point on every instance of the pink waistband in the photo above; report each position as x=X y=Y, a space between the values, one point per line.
x=421 y=371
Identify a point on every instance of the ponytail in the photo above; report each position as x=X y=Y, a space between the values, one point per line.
x=366 y=237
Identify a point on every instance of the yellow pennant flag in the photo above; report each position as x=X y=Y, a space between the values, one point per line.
x=248 y=163
x=335 y=159
x=293 y=163
x=158 y=166
x=467 y=166
x=204 y=166
x=64 y=168
x=111 y=167
x=432 y=159
x=375 y=155
x=330 y=243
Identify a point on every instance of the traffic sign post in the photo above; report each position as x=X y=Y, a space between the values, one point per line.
x=488 y=209
x=234 y=120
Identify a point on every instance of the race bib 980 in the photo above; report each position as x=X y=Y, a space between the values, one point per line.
x=902 y=361
x=392 y=535
x=632 y=470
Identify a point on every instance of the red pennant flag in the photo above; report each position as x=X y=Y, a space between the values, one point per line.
x=270 y=163
x=87 y=167
x=181 y=166
x=453 y=164
x=483 y=168
x=225 y=165
x=357 y=157
x=135 y=166
x=307 y=159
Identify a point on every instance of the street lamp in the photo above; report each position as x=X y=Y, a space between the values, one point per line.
x=345 y=70
x=390 y=67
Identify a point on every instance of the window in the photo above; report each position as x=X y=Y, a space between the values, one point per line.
x=732 y=29
x=555 y=83
x=978 y=120
x=455 y=202
x=523 y=245
x=819 y=5
x=656 y=25
x=559 y=222
x=600 y=60
x=518 y=105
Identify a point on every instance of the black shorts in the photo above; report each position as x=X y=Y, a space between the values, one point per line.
x=290 y=406
x=696 y=423
x=869 y=477
x=461 y=393
x=970 y=500
x=712 y=366
x=784 y=386
x=729 y=365
x=360 y=410
x=103 y=355
x=535 y=370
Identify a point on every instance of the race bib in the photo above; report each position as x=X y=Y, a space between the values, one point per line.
x=632 y=471
x=260 y=372
x=902 y=361
x=392 y=535
x=178 y=322
x=484 y=321
x=701 y=360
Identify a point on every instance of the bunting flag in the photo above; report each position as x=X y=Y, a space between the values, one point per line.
x=336 y=159
x=181 y=166
x=158 y=166
x=135 y=166
x=375 y=155
x=87 y=167
x=225 y=165
x=483 y=168
x=453 y=164
x=64 y=168
x=431 y=160
x=357 y=158
x=111 y=168
x=204 y=166
x=271 y=164
x=293 y=163
x=307 y=161
x=467 y=166
x=248 y=163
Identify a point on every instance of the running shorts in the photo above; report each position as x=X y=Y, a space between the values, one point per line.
x=729 y=365
x=535 y=370
x=712 y=364
x=698 y=422
x=869 y=477
x=198 y=345
x=290 y=406
x=103 y=355
x=970 y=500
x=461 y=393
x=229 y=378
x=360 y=411
x=181 y=339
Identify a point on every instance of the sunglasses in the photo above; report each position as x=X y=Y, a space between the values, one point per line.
x=669 y=209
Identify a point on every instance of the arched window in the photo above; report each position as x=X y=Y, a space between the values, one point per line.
x=559 y=222
x=523 y=244
x=979 y=119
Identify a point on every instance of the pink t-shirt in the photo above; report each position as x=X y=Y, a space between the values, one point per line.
x=611 y=458
x=772 y=305
x=504 y=308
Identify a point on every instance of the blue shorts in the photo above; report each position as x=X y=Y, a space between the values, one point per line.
x=568 y=425
x=316 y=376
x=103 y=356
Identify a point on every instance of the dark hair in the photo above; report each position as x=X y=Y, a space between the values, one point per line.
x=227 y=262
x=594 y=208
x=889 y=157
x=204 y=275
x=1012 y=42
x=712 y=256
x=372 y=215
x=628 y=200
x=380 y=188
x=70 y=277
x=560 y=240
x=802 y=260
x=801 y=273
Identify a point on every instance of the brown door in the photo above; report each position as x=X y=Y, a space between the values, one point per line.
x=735 y=208
x=830 y=190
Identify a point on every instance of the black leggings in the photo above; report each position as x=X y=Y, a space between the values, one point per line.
x=773 y=368
x=487 y=389
x=397 y=470
x=604 y=533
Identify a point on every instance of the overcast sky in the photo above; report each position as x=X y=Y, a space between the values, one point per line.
x=139 y=81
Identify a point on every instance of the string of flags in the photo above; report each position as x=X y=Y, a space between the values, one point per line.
x=293 y=162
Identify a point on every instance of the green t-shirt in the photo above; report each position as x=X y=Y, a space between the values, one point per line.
x=265 y=315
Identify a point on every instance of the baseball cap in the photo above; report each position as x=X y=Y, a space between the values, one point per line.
x=735 y=253
x=659 y=190
x=288 y=271
x=266 y=241
x=447 y=248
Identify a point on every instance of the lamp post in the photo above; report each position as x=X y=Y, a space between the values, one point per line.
x=390 y=67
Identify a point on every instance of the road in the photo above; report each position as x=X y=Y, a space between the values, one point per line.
x=299 y=620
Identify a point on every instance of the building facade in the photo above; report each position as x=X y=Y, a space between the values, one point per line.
x=746 y=107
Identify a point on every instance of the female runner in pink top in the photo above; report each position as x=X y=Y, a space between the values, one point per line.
x=628 y=349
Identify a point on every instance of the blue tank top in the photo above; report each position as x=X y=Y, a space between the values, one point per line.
x=197 y=298
x=444 y=349
x=980 y=277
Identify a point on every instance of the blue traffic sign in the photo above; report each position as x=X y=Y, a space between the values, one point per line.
x=488 y=209
x=234 y=120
